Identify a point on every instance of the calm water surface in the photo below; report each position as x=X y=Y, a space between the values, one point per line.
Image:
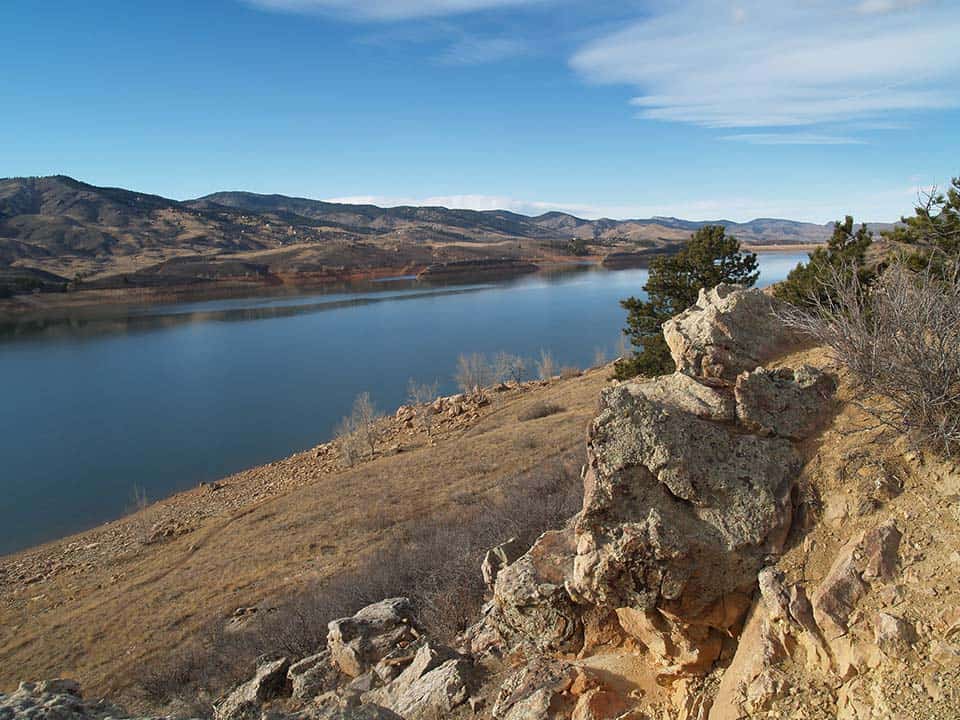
x=165 y=397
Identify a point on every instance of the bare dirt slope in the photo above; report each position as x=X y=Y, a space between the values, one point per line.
x=98 y=606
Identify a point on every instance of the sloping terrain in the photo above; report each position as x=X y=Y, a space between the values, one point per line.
x=98 y=239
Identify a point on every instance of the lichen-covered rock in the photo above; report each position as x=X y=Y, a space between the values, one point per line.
x=785 y=402
x=312 y=676
x=58 y=699
x=531 y=605
x=498 y=558
x=729 y=331
x=357 y=643
x=535 y=691
x=244 y=701
x=677 y=509
x=433 y=683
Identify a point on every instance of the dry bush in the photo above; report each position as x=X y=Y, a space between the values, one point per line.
x=437 y=566
x=358 y=432
x=900 y=339
x=568 y=371
x=509 y=367
x=546 y=366
x=473 y=371
x=420 y=397
x=539 y=410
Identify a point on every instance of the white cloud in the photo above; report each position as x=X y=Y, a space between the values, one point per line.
x=479 y=51
x=387 y=10
x=789 y=63
x=875 y=205
x=872 y=7
x=793 y=139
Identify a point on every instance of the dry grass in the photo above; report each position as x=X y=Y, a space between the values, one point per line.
x=106 y=618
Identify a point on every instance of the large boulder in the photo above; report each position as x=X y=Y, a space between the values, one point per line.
x=358 y=643
x=730 y=330
x=434 y=682
x=531 y=606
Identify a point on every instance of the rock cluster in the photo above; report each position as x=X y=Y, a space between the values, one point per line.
x=688 y=491
x=376 y=664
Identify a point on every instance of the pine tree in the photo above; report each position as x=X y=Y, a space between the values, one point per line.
x=709 y=258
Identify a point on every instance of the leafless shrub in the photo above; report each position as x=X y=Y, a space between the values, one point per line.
x=599 y=356
x=900 y=339
x=539 y=410
x=473 y=371
x=546 y=367
x=358 y=431
x=568 y=371
x=509 y=367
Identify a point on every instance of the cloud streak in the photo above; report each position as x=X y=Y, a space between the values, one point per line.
x=793 y=139
x=791 y=63
x=389 y=10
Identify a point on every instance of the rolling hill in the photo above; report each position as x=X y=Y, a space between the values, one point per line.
x=56 y=231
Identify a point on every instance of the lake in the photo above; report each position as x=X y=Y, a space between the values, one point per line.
x=162 y=398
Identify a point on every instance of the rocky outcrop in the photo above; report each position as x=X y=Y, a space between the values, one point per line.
x=727 y=332
x=377 y=664
x=269 y=682
x=357 y=643
x=688 y=492
x=54 y=700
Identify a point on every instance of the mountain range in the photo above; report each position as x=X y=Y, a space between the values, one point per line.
x=62 y=227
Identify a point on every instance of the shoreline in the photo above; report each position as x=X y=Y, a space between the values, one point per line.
x=94 y=303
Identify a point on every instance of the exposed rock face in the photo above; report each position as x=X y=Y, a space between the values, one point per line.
x=269 y=682
x=687 y=492
x=53 y=700
x=782 y=621
x=728 y=331
x=531 y=605
x=783 y=402
x=357 y=643
x=534 y=692
x=498 y=558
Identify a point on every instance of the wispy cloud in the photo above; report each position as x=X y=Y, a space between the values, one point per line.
x=793 y=139
x=726 y=208
x=790 y=63
x=387 y=10
x=480 y=51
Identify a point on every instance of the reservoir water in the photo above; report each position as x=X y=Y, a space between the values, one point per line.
x=165 y=397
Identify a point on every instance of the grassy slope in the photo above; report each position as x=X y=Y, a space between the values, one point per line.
x=99 y=606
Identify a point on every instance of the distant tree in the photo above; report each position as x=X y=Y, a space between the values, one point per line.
x=709 y=258
x=578 y=247
x=509 y=367
x=473 y=371
x=934 y=230
x=546 y=367
x=845 y=253
x=359 y=429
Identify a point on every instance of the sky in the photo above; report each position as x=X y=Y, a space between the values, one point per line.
x=701 y=109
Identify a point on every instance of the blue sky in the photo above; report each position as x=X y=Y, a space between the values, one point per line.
x=702 y=109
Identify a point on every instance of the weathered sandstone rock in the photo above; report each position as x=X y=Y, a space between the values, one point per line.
x=729 y=331
x=313 y=675
x=536 y=691
x=52 y=700
x=433 y=683
x=531 y=605
x=498 y=558
x=244 y=701
x=357 y=643
x=783 y=402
